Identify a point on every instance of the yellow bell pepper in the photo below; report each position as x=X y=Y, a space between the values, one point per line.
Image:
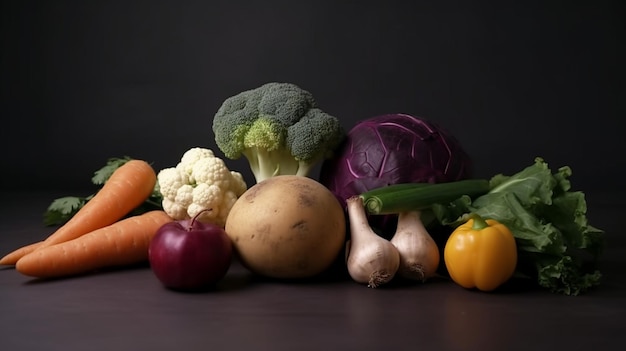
x=481 y=254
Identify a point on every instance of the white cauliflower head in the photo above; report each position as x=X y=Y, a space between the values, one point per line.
x=201 y=183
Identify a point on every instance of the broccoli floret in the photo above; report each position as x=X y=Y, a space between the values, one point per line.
x=278 y=128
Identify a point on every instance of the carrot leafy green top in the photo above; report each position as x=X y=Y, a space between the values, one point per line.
x=64 y=208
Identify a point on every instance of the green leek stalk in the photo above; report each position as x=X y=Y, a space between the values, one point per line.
x=397 y=198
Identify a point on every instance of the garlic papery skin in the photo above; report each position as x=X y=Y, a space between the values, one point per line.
x=370 y=258
x=419 y=254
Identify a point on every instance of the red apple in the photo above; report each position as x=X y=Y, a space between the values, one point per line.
x=189 y=254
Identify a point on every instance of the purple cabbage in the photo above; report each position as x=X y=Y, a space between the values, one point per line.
x=393 y=149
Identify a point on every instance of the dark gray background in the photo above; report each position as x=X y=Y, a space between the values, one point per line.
x=82 y=81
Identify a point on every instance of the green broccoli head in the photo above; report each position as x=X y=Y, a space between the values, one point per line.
x=278 y=128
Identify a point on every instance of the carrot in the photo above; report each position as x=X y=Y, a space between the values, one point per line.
x=123 y=243
x=15 y=255
x=127 y=188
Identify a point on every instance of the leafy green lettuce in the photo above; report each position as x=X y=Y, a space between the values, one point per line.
x=556 y=245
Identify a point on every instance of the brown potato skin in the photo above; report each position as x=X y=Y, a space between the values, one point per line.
x=287 y=227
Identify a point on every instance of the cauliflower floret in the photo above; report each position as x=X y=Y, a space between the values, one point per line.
x=228 y=201
x=173 y=209
x=169 y=180
x=184 y=195
x=209 y=214
x=206 y=197
x=200 y=182
x=184 y=175
x=211 y=170
x=238 y=184
x=191 y=156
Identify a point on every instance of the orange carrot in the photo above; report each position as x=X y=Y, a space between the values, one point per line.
x=15 y=255
x=127 y=188
x=123 y=243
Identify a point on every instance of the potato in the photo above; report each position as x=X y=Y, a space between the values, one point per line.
x=287 y=227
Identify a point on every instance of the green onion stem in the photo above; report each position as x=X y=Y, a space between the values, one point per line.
x=394 y=199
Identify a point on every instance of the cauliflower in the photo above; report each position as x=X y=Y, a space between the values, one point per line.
x=200 y=182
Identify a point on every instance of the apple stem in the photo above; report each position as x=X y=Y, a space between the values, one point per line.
x=195 y=218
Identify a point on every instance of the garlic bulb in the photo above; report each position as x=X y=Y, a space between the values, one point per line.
x=419 y=254
x=370 y=258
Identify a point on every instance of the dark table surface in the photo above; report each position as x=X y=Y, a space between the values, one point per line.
x=129 y=310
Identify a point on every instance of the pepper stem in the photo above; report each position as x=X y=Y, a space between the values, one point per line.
x=479 y=222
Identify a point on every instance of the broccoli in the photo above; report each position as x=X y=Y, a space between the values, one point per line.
x=278 y=128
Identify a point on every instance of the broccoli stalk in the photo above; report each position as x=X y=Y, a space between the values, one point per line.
x=278 y=129
x=266 y=163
